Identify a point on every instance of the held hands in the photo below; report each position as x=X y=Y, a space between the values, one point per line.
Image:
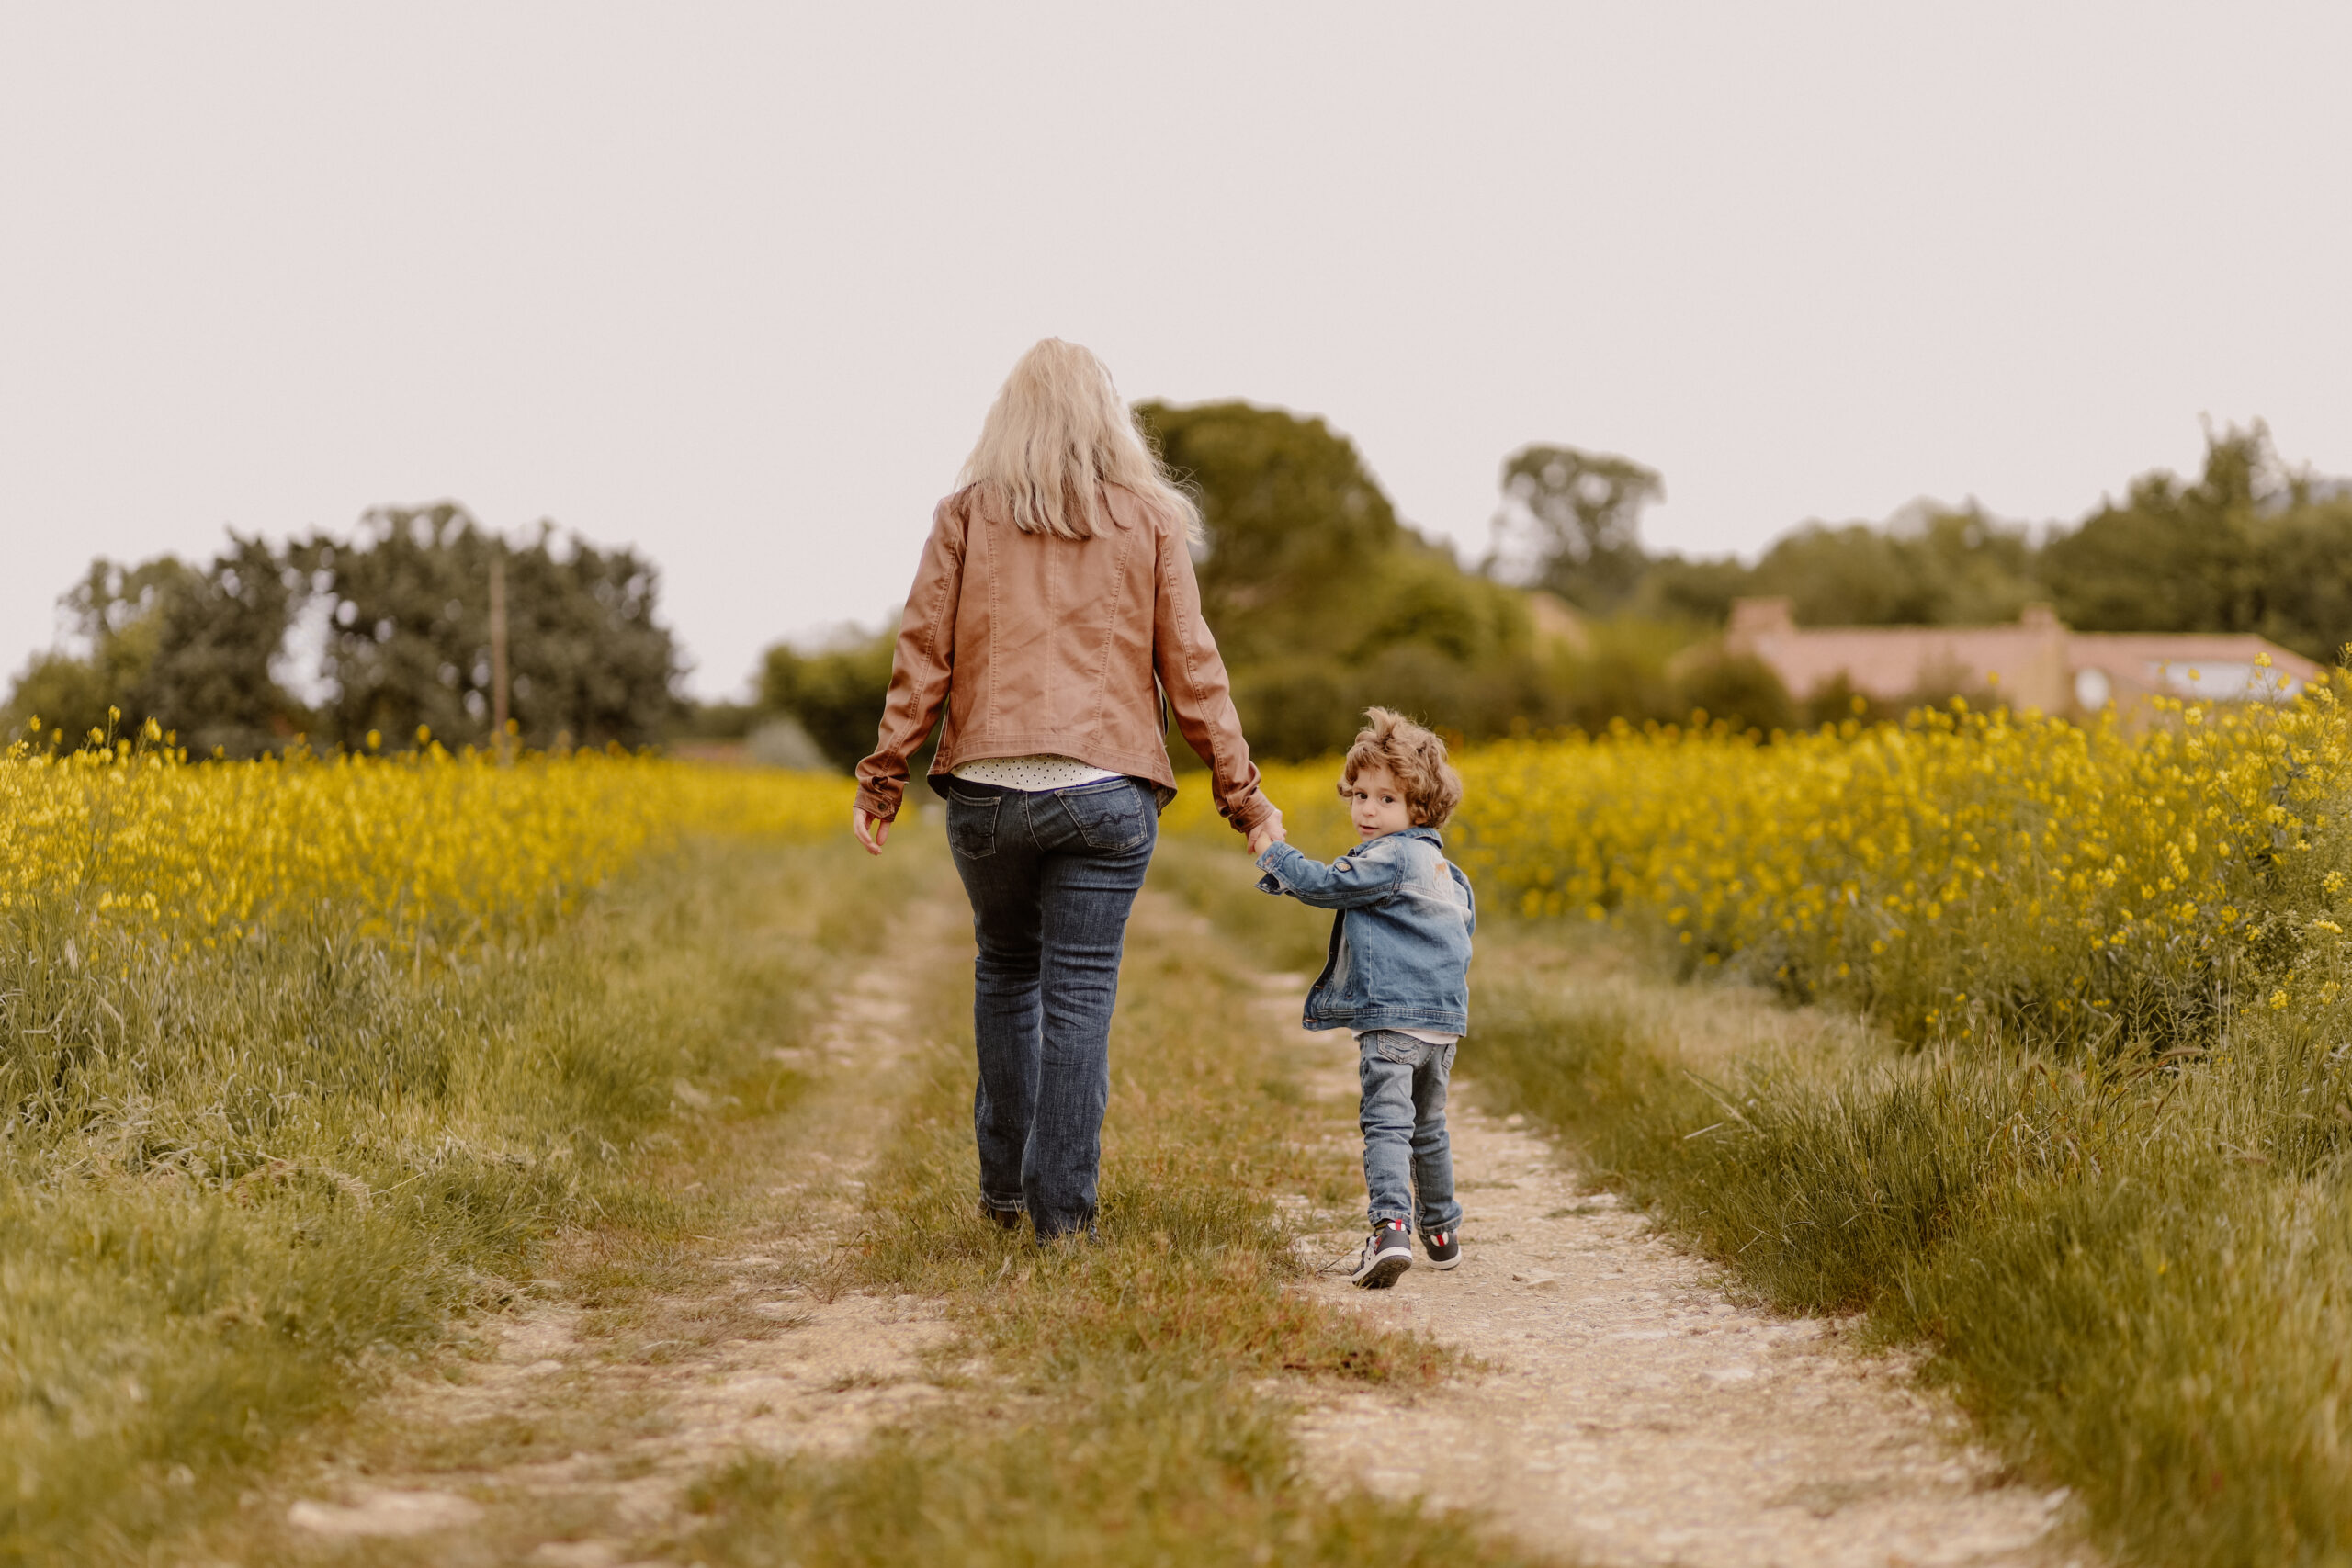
x=1269 y=831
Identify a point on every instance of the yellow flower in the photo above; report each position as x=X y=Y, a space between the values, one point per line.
x=424 y=843
x=2009 y=839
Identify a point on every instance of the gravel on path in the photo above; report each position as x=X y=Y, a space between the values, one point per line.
x=1633 y=1413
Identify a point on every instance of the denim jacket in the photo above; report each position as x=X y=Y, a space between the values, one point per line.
x=1400 y=943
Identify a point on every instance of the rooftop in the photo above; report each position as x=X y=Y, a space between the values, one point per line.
x=2036 y=661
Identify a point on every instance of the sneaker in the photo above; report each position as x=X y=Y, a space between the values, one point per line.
x=1387 y=1253
x=1444 y=1247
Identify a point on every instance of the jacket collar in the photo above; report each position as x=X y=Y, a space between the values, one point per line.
x=1421 y=830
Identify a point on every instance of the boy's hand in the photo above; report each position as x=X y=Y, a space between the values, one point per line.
x=1269 y=831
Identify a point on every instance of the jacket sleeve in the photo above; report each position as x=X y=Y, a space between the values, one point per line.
x=1469 y=898
x=1352 y=882
x=1185 y=657
x=921 y=667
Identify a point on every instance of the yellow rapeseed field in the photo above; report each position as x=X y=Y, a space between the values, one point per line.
x=423 y=844
x=1961 y=874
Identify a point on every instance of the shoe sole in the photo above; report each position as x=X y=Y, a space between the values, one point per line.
x=1452 y=1262
x=1385 y=1271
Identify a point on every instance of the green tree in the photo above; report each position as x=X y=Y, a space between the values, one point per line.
x=836 y=694
x=1932 y=567
x=1741 y=692
x=221 y=631
x=2307 y=574
x=1575 y=517
x=1296 y=528
x=590 y=658
x=1322 y=601
x=191 y=647
x=408 y=639
x=62 y=693
x=2176 y=556
x=1680 y=587
x=406 y=616
x=2248 y=546
x=115 y=615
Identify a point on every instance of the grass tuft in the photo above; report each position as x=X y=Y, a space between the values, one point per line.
x=1162 y=1472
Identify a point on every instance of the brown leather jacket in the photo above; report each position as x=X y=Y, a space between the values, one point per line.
x=1043 y=645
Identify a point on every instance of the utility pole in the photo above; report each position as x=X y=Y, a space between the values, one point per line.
x=498 y=650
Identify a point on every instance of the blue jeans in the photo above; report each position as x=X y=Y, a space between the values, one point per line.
x=1051 y=875
x=1405 y=1146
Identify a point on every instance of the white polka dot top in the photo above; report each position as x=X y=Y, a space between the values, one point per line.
x=1031 y=775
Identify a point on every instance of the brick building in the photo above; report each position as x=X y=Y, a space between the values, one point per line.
x=2038 y=663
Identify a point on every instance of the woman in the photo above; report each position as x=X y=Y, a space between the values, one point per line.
x=1054 y=591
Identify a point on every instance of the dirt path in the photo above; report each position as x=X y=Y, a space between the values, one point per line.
x=1632 y=1413
x=1635 y=1414
x=575 y=1437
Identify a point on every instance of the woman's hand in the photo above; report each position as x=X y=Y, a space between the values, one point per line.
x=872 y=831
x=1269 y=831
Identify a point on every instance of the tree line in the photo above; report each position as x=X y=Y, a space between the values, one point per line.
x=2249 y=545
x=362 y=639
x=1323 y=601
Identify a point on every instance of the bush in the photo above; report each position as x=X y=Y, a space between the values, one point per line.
x=837 y=694
x=1739 y=691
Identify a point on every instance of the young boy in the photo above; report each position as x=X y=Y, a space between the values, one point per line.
x=1398 y=977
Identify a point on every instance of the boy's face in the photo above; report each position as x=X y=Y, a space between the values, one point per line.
x=1377 y=802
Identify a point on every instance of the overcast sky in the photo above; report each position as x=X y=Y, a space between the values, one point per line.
x=735 y=283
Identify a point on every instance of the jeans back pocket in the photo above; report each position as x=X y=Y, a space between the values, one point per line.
x=1108 y=819
x=1390 y=1045
x=971 y=824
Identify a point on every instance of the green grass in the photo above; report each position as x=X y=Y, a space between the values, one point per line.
x=2137 y=1275
x=1135 y=1408
x=239 y=1188
x=1160 y=1472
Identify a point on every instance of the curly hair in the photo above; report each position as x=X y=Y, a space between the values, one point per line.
x=1414 y=757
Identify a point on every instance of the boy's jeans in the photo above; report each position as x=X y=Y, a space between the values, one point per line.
x=1405 y=1146
x=1051 y=876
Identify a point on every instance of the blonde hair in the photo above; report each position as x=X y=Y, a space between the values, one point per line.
x=1411 y=755
x=1055 y=435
